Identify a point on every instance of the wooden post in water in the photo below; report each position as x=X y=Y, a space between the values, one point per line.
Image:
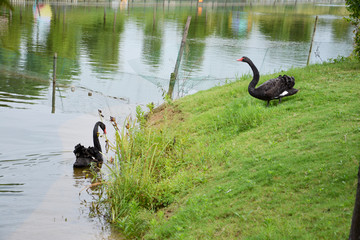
x=54 y=84
x=58 y=14
x=64 y=17
x=55 y=13
x=20 y=14
x=114 y=21
x=312 y=40
x=104 y=16
x=173 y=75
x=154 y=20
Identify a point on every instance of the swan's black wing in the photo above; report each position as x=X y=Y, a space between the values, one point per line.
x=289 y=83
x=82 y=152
x=277 y=87
x=95 y=154
x=86 y=156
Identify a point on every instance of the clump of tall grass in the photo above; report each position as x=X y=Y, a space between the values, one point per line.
x=240 y=115
x=144 y=175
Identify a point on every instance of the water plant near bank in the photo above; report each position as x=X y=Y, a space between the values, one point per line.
x=219 y=164
x=149 y=169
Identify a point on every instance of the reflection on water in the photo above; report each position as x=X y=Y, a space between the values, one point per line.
x=10 y=188
x=113 y=62
x=130 y=52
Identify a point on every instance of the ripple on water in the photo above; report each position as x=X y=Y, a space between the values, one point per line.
x=10 y=188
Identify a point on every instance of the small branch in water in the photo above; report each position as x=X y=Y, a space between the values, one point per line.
x=91 y=185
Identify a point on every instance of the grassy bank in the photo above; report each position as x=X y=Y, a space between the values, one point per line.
x=220 y=165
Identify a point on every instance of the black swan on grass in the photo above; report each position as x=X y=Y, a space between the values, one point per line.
x=86 y=156
x=275 y=88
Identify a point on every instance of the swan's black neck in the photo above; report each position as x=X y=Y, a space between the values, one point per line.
x=256 y=76
x=96 y=138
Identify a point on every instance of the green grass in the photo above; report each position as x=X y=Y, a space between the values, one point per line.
x=239 y=170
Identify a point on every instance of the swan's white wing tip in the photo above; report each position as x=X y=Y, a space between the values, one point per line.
x=283 y=93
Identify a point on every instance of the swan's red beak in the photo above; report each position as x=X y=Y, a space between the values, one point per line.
x=105 y=130
x=240 y=59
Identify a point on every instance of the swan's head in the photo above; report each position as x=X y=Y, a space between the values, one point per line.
x=102 y=126
x=243 y=59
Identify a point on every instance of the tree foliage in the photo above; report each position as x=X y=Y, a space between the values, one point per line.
x=353 y=7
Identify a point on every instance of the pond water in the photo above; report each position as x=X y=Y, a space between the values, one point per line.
x=114 y=56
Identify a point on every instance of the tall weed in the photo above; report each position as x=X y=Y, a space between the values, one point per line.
x=143 y=176
x=240 y=115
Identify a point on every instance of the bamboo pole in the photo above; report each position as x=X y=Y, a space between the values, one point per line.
x=54 y=84
x=312 y=40
x=173 y=75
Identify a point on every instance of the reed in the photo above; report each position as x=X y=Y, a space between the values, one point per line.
x=146 y=160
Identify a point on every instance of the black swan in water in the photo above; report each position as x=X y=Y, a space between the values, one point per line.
x=275 y=88
x=86 y=156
